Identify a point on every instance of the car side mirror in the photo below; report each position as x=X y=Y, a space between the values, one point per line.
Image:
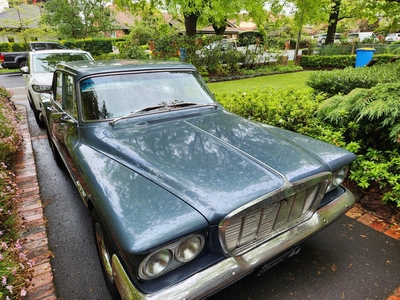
x=25 y=70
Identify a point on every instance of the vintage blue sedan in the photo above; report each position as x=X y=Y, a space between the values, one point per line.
x=186 y=197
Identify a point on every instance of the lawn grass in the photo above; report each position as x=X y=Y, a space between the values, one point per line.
x=2 y=71
x=294 y=80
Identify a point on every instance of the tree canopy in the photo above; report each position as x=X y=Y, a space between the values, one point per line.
x=204 y=12
x=79 y=18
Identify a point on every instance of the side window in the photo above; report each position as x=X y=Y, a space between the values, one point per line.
x=69 y=103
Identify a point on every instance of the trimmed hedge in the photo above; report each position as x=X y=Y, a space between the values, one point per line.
x=343 y=81
x=339 y=61
x=334 y=61
x=95 y=46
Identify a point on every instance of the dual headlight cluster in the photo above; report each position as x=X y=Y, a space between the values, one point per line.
x=337 y=178
x=40 y=88
x=171 y=256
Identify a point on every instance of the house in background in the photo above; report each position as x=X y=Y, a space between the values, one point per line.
x=17 y=19
x=123 y=22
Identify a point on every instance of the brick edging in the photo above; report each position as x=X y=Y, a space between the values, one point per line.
x=363 y=216
x=31 y=220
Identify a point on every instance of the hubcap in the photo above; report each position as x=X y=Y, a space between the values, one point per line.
x=104 y=255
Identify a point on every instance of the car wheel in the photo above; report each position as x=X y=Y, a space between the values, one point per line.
x=54 y=151
x=40 y=122
x=30 y=102
x=105 y=251
x=322 y=41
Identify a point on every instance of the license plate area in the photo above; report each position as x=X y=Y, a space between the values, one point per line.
x=277 y=260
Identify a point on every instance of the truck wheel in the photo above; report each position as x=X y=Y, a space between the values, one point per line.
x=105 y=251
x=22 y=64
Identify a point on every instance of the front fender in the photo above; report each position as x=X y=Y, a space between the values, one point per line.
x=140 y=214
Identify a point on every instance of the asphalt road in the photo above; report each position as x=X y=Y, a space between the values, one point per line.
x=348 y=260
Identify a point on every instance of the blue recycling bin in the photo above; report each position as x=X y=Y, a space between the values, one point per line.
x=182 y=53
x=364 y=56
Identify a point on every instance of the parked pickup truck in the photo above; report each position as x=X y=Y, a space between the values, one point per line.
x=17 y=60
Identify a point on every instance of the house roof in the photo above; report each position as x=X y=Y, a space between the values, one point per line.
x=26 y=15
x=124 y=19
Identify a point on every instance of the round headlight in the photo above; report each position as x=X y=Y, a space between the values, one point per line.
x=189 y=248
x=157 y=263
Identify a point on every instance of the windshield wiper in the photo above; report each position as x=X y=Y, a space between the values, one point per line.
x=185 y=104
x=148 y=108
x=144 y=109
x=182 y=104
x=164 y=106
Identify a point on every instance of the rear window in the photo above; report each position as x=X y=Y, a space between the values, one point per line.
x=44 y=46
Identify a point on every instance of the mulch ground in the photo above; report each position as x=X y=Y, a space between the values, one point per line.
x=371 y=200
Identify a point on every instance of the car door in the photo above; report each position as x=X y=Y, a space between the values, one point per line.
x=64 y=119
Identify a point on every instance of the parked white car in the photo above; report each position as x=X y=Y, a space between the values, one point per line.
x=38 y=73
x=392 y=37
x=321 y=39
x=361 y=36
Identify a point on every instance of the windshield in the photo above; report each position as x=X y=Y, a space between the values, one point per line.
x=46 y=63
x=353 y=35
x=118 y=95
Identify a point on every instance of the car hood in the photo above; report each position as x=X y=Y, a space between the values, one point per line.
x=42 y=78
x=215 y=162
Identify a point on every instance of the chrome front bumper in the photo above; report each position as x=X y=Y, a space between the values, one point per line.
x=231 y=269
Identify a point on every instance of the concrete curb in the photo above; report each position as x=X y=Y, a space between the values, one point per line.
x=31 y=221
x=33 y=224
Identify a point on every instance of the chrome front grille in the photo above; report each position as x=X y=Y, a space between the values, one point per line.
x=272 y=214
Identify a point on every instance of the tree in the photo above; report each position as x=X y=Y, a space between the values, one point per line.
x=305 y=12
x=372 y=10
x=204 y=12
x=79 y=18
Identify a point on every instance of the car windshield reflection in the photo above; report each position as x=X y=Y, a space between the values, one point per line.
x=46 y=63
x=120 y=95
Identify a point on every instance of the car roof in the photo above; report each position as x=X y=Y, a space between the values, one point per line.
x=50 y=51
x=362 y=32
x=96 y=67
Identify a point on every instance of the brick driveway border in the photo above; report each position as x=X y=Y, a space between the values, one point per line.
x=31 y=220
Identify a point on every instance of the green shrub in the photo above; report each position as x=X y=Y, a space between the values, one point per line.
x=371 y=118
x=95 y=46
x=250 y=38
x=10 y=139
x=325 y=60
x=289 y=108
x=14 y=265
x=379 y=169
x=335 y=61
x=375 y=110
x=343 y=81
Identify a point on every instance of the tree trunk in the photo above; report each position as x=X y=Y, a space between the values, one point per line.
x=333 y=20
x=191 y=24
x=219 y=30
